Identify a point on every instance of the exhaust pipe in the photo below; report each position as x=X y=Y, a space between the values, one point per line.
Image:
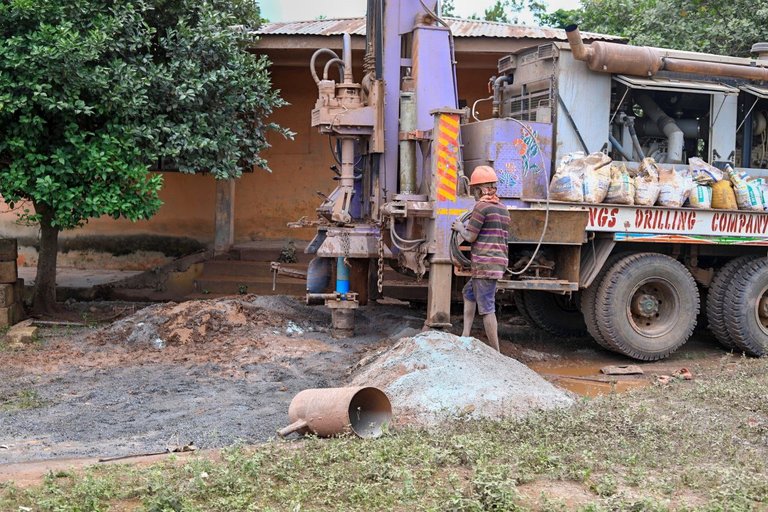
x=667 y=125
x=362 y=411
x=346 y=53
x=497 y=85
x=612 y=57
x=579 y=49
x=692 y=129
x=645 y=61
x=715 y=69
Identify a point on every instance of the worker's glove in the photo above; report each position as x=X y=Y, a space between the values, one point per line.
x=458 y=226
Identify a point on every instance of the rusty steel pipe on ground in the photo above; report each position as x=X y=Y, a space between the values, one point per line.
x=645 y=61
x=362 y=411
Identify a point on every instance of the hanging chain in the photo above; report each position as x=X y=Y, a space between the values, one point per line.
x=380 y=267
x=345 y=247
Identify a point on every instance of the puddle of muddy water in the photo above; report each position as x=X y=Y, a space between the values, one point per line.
x=587 y=380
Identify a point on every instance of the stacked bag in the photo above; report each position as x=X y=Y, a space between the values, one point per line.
x=581 y=178
x=647 y=186
x=595 y=179
x=725 y=190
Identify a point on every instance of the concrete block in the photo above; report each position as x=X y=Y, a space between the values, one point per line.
x=11 y=315
x=6 y=317
x=18 y=313
x=19 y=291
x=7 y=295
x=8 y=272
x=8 y=249
x=21 y=333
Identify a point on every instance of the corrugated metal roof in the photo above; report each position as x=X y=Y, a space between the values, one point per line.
x=459 y=27
x=327 y=27
x=475 y=28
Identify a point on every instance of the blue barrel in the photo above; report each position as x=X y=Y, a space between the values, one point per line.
x=342 y=276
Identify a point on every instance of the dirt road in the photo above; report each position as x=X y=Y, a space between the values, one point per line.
x=222 y=372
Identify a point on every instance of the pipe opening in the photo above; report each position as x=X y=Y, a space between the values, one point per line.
x=369 y=411
x=578 y=48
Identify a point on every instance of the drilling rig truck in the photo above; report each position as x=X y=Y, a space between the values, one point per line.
x=635 y=278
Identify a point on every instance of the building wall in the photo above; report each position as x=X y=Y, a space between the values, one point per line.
x=187 y=211
x=265 y=202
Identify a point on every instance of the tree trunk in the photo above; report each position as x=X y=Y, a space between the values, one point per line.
x=44 y=296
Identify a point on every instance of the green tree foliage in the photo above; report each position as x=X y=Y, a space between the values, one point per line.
x=501 y=11
x=92 y=92
x=65 y=96
x=560 y=18
x=710 y=26
x=508 y=11
x=447 y=8
x=209 y=97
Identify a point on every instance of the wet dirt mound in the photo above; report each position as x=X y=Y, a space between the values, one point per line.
x=224 y=372
x=435 y=376
x=210 y=321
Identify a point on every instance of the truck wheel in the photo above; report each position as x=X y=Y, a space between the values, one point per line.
x=746 y=308
x=702 y=324
x=523 y=310
x=588 y=307
x=556 y=314
x=647 y=305
x=716 y=299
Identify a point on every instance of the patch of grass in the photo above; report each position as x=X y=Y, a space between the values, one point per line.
x=697 y=445
x=3 y=339
x=21 y=400
x=89 y=320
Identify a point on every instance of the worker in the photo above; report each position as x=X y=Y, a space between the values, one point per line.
x=487 y=230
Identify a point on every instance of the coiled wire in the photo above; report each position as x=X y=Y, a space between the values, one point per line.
x=457 y=256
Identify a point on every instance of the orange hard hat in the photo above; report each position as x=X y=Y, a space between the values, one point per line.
x=483 y=174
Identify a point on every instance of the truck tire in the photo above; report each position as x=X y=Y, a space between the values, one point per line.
x=647 y=305
x=716 y=299
x=702 y=324
x=746 y=308
x=556 y=314
x=588 y=307
x=521 y=308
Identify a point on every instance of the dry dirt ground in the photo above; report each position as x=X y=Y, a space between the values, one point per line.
x=219 y=372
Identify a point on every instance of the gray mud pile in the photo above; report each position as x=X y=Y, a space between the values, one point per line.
x=436 y=376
